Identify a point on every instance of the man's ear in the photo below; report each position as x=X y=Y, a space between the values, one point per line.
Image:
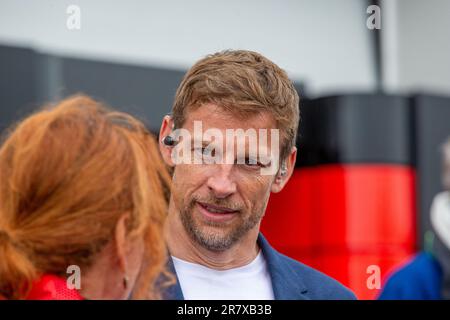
x=166 y=130
x=120 y=236
x=281 y=180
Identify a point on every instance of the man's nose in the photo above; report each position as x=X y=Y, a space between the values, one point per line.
x=221 y=182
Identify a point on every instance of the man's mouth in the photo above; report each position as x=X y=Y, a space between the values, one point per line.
x=216 y=213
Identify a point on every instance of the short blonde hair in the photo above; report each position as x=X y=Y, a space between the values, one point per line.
x=243 y=83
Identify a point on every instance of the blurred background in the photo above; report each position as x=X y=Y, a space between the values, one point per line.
x=375 y=102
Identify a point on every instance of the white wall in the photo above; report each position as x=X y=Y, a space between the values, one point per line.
x=323 y=42
x=417 y=42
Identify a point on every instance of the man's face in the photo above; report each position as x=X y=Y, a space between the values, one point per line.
x=219 y=203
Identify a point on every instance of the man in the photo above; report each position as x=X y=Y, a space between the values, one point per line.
x=427 y=275
x=219 y=194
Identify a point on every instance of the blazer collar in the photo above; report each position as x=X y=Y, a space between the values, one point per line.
x=286 y=282
x=173 y=292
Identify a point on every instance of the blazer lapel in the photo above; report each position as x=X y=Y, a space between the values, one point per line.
x=173 y=292
x=286 y=283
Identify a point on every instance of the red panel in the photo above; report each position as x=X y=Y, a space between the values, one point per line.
x=343 y=218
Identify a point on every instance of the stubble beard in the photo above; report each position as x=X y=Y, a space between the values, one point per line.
x=207 y=234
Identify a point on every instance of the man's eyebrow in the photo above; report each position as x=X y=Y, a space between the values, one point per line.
x=203 y=143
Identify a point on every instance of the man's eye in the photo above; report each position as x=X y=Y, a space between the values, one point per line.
x=209 y=152
x=252 y=163
x=198 y=151
x=204 y=154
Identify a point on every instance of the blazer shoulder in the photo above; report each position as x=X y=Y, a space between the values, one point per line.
x=418 y=279
x=319 y=285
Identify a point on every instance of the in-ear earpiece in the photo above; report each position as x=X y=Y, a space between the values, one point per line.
x=168 y=141
x=283 y=170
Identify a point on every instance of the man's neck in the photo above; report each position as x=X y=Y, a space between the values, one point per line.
x=182 y=246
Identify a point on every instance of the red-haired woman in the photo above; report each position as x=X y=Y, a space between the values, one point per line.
x=82 y=205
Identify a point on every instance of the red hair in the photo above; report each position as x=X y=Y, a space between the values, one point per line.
x=67 y=174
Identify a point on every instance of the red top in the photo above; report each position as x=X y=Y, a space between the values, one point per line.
x=50 y=287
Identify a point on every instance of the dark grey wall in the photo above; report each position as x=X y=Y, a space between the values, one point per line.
x=432 y=128
x=29 y=79
x=18 y=91
x=143 y=91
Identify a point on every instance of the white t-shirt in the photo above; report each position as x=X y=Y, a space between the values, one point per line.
x=249 y=282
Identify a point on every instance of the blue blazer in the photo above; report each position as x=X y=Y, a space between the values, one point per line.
x=291 y=280
x=420 y=279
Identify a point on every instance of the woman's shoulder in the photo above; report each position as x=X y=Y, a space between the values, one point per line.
x=52 y=287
